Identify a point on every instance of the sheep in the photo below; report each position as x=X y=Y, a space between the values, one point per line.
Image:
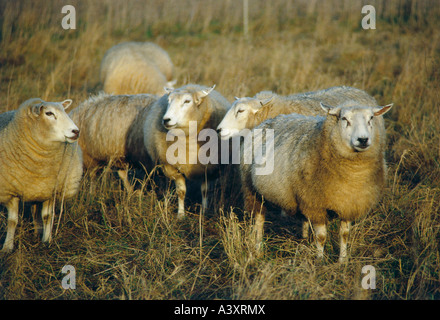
x=112 y=131
x=333 y=163
x=136 y=67
x=247 y=113
x=40 y=160
x=172 y=116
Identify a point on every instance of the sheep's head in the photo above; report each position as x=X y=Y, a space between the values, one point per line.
x=356 y=125
x=184 y=106
x=240 y=116
x=52 y=123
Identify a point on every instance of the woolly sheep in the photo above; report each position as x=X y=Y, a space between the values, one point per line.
x=172 y=115
x=321 y=163
x=112 y=131
x=136 y=67
x=247 y=113
x=40 y=160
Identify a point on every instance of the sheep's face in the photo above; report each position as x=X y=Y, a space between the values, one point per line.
x=356 y=125
x=240 y=116
x=184 y=107
x=237 y=117
x=54 y=124
x=181 y=109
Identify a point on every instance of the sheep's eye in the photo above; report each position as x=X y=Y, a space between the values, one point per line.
x=345 y=119
x=49 y=114
x=240 y=111
x=186 y=101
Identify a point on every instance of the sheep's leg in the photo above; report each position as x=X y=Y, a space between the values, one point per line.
x=254 y=205
x=343 y=233
x=259 y=227
x=180 y=182
x=305 y=225
x=251 y=201
x=204 y=189
x=181 y=192
x=46 y=216
x=123 y=175
x=12 y=207
x=305 y=229
x=36 y=219
x=321 y=235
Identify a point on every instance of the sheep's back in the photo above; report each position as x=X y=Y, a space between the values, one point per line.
x=133 y=75
x=136 y=67
x=159 y=56
x=104 y=124
x=5 y=118
x=308 y=103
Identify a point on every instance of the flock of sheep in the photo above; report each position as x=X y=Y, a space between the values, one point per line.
x=328 y=145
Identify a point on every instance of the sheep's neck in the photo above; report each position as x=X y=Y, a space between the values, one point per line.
x=358 y=167
x=29 y=154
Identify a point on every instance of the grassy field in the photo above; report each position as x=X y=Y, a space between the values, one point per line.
x=130 y=246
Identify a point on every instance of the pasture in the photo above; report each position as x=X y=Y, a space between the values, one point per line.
x=131 y=246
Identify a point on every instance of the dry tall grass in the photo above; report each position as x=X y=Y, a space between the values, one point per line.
x=130 y=246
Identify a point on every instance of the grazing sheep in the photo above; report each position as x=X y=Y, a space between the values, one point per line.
x=136 y=67
x=331 y=163
x=40 y=160
x=112 y=131
x=247 y=113
x=171 y=117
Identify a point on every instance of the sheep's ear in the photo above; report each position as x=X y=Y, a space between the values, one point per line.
x=334 y=111
x=168 y=90
x=204 y=93
x=378 y=111
x=66 y=103
x=263 y=102
x=36 y=109
x=171 y=84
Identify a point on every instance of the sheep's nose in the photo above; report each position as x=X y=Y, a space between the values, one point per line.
x=166 y=121
x=75 y=132
x=363 y=141
x=219 y=130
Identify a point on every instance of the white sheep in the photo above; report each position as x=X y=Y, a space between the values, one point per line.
x=321 y=163
x=173 y=114
x=112 y=131
x=247 y=113
x=40 y=160
x=136 y=67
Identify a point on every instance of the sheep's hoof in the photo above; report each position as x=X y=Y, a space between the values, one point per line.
x=343 y=259
x=320 y=259
x=46 y=239
x=259 y=248
x=6 y=249
x=181 y=216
